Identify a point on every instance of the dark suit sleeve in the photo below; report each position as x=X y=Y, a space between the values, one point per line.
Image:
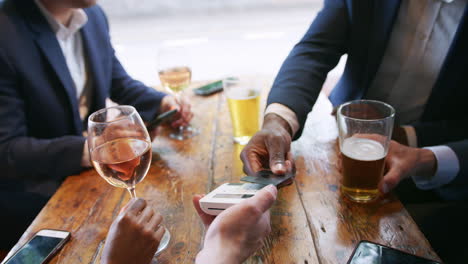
x=302 y=74
x=432 y=133
x=25 y=156
x=461 y=149
x=456 y=133
x=457 y=189
x=126 y=90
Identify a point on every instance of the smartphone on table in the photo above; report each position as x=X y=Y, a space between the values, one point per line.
x=367 y=252
x=160 y=118
x=209 y=89
x=41 y=248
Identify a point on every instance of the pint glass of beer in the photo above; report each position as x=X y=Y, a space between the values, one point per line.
x=243 y=98
x=365 y=130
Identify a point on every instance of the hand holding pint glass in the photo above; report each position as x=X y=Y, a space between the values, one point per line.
x=365 y=130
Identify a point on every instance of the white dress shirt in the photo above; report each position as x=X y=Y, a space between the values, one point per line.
x=419 y=42
x=71 y=43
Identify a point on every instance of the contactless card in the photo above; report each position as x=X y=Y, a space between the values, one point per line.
x=267 y=177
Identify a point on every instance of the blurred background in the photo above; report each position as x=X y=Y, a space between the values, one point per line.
x=222 y=37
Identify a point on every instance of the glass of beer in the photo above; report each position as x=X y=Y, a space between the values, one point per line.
x=243 y=98
x=120 y=149
x=365 y=130
x=175 y=76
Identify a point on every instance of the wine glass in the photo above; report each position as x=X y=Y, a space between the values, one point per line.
x=120 y=149
x=175 y=76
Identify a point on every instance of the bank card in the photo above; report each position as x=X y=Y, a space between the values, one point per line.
x=267 y=177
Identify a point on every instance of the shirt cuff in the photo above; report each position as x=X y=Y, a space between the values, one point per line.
x=411 y=137
x=285 y=113
x=85 y=160
x=447 y=169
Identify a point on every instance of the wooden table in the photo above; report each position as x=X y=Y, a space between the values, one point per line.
x=311 y=221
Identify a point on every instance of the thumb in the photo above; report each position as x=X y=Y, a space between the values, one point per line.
x=277 y=153
x=264 y=198
x=390 y=180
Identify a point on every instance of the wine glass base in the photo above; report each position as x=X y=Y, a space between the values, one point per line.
x=164 y=243
x=185 y=133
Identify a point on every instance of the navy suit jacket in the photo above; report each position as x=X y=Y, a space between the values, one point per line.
x=361 y=29
x=40 y=126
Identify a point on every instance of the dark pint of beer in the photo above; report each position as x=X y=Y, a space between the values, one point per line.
x=363 y=165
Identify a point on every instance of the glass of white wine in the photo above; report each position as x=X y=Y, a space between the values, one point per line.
x=175 y=76
x=120 y=149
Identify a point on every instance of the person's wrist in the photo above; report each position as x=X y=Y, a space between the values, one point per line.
x=219 y=251
x=427 y=163
x=275 y=121
x=165 y=101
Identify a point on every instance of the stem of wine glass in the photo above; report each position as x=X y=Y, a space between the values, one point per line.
x=178 y=98
x=132 y=192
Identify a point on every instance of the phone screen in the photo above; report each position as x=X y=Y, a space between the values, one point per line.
x=36 y=250
x=369 y=253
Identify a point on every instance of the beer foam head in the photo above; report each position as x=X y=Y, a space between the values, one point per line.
x=241 y=93
x=362 y=149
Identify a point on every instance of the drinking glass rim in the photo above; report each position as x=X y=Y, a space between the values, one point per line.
x=392 y=110
x=100 y=111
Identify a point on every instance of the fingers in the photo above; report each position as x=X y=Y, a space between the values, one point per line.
x=155 y=222
x=264 y=198
x=146 y=215
x=251 y=161
x=206 y=218
x=136 y=206
x=185 y=113
x=290 y=165
x=160 y=233
x=390 y=180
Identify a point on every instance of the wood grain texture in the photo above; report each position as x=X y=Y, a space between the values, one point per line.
x=311 y=222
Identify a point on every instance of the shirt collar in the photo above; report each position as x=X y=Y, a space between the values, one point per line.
x=78 y=20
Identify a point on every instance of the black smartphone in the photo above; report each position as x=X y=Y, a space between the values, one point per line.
x=209 y=88
x=368 y=252
x=41 y=248
x=160 y=118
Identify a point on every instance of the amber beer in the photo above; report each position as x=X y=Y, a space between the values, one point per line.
x=365 y=129
x=244 y=105
x=363 y=165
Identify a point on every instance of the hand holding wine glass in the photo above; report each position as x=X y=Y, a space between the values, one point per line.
x=134 y=235
x=120 y=149
x=175 y=76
